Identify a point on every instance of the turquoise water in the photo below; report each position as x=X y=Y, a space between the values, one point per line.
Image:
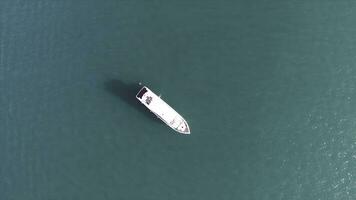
x=268 y=89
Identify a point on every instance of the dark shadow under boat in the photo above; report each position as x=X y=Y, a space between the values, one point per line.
x=127 y=93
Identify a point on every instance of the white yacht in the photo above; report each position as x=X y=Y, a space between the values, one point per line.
x=162 y=110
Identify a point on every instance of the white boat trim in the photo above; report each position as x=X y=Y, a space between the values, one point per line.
x=162 y=110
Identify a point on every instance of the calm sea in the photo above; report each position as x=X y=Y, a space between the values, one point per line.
x=268 y=89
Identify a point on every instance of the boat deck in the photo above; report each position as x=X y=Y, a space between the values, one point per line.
x=162 y=110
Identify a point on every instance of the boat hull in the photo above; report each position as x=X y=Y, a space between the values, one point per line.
x=162 y=110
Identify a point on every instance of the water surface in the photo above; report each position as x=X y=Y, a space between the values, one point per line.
x=268 y=89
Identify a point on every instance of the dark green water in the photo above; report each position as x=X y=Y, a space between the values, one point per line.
x=268 y=88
